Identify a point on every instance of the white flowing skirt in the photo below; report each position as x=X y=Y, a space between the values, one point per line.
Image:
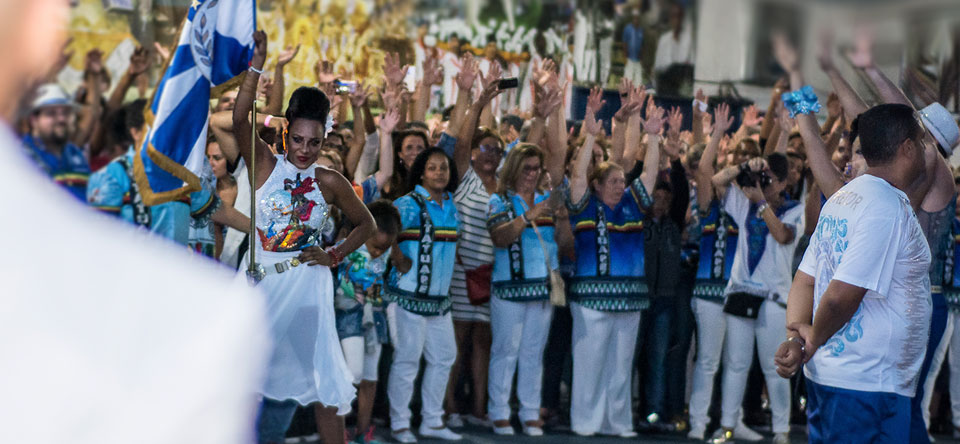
x=307 y=363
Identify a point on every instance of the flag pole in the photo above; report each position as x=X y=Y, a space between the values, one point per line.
x=253 y=271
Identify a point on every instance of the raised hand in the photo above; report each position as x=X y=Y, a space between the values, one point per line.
x=324 y=72
x=139 y=62
x=825 y=53
x=287 y=55
x=785 y=53
x=861 y=55
x=467 y=77
x=389 y=120
x=93 y=63
x=784 y=120
x=655 y=119
x=594 y=102
x=631 y=105
x=259 y=49
x=722 y=120
x=751 y=117
x=360 y=95
x=392 y=70
x=490 y=84
x=834 y=108
x=432 y=72
x=626 y=86
x=162 y=51
x=547 y=102
x=675 y=121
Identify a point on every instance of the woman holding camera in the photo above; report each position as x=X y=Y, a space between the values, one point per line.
x=756 y=296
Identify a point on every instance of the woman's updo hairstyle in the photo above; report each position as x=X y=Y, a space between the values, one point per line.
x=308 y=103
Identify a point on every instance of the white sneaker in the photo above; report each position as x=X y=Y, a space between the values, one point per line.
x=532 y=431
x=628 y=434
x=741 y=431
x=584 y=434
x=697 y=433
x=455 y=420
x=478 y=422
x=781 y=438
x=405 y=436
x=444 y=433
x=503 y=431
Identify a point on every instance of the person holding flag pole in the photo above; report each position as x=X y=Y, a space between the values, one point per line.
x=291 y=210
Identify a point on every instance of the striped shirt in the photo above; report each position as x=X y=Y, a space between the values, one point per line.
x=474 y=247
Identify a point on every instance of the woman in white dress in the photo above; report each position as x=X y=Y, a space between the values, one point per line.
x=293 y=202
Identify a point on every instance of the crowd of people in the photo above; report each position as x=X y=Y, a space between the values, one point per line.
x=499 y=241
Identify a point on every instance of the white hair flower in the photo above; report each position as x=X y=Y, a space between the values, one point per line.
x=328 y=127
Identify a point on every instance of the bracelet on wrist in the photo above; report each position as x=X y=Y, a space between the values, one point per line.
x=798 y=340
x=336 y=256
x=801 y=101
x=266 y=121
x=526 y=221
x=254 y=69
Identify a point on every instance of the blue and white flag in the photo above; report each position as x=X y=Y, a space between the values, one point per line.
x=216 y=44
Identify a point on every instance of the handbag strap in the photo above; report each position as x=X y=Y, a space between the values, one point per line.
x=543 y=245
x=425 y=251
x=515 y=250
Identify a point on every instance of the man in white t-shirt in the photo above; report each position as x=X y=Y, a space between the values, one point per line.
x=859 y=310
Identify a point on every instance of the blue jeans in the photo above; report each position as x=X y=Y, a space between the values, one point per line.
x=938 y=324
x=274 y=419
x=657 y=320
x=838 y=415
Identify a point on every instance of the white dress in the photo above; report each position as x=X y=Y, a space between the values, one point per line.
x=307 y=363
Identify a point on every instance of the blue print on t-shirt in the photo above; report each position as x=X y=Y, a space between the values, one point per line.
x=831 y=244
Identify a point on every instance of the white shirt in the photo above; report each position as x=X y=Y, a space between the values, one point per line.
x=671 y=50
x=111 y=335
x=868 y=236
x=773 y=275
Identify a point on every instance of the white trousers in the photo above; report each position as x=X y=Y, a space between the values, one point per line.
x=520 y=331
x=432 y=338
x=603 y=348
x=633 y=71
x=711 y=329
x=363 y=363
x=768 y=330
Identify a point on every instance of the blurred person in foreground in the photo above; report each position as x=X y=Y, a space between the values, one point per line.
x=135 y=360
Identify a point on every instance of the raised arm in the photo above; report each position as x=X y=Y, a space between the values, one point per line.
x=707 y=168
x=139 y=63
x=579 y=178
x=861 y=57
x=221 y=124
x=466 y=78
x=241 y=115
x=275 y=99
x=769 y=126
x=850 y=101
x=465 y=139
x=358 y=98
x=432 y=75
x=651 y=161
x=388 y=121
x=828 y=178
x=555 y=142
x=626 y=134
x=697 y=126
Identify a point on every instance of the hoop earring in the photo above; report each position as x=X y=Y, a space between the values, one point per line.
x=283 y=140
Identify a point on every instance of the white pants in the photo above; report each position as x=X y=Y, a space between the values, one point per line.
x=768 y=330
x=432 y=338
x=633 y=71
x=711 y=329
x=603 y=348
x=363 y=363
x=520 y=331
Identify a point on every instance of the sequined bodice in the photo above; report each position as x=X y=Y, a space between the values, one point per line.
x=291 y=211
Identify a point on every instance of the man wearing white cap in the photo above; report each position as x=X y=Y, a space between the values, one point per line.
x=52 y=123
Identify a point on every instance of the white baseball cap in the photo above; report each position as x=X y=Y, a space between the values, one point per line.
x=941 y=125
x=51 y=94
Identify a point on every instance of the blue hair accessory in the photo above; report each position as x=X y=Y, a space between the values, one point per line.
x=801 y=101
